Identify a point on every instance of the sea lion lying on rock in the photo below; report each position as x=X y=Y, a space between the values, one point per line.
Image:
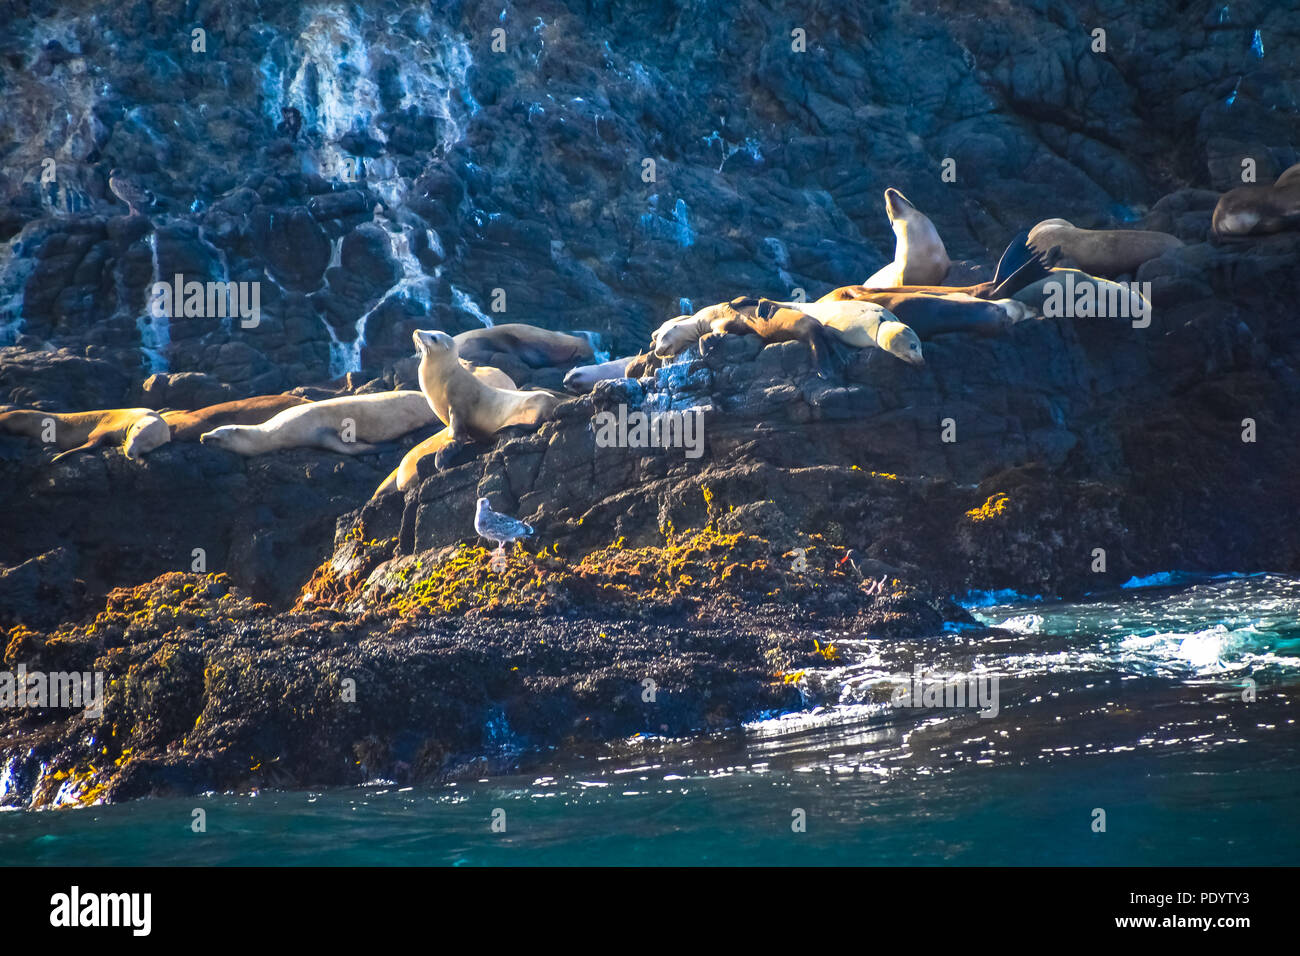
x=583 y=378
x=771 y=322
x=190 y=425
x=538 y=348
x=859 y=324
x=138 y=430
x=1101 y=252
x=929 y=314
x=1259 y=208
x=349 y=425
x=1124 y=299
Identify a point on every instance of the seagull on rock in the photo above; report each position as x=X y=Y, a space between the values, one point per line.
x=497 y=527
x=130 y=193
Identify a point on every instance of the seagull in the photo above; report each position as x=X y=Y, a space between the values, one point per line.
x=130 y=193
x=498 y=527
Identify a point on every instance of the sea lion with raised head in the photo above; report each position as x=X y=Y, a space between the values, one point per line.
x=1259 y=209
x=138 y=430
x=1101 y=252
x=349 y=425
x=919 y=255
x=538 y=348
x=470 y=409
x=1019 y=266
x=189 y=425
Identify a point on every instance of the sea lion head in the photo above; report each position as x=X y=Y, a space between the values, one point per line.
x=1046 y=226
x=673 y=336
x=897 y=205
x=145 y=435
x=229 y=437
x=901 y=341
x=1237 y=213
x=433 y=343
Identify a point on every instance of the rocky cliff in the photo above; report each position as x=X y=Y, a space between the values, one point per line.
x=386 y=169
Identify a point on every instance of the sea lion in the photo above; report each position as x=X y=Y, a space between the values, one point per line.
x=538 y=348
x=919 y=255
x=470 y=409
x=642 y=365
x=1019 y=266
x=681 y=332
x=858 y=323
x=1101 y=252
x=188 y=426
x=378 y=417
x=930 y=314
x=1259 y=209
x=401 y=477
x=138 y=430
x=771 y=322
x=1038 y=293
x=581 y=379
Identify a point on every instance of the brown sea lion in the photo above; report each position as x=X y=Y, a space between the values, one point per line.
x=350 y=425
x=771 y=322
x=538 y=348
x=1101 y=252
x=189 y=425
x=1259 y=209
x=138 y=430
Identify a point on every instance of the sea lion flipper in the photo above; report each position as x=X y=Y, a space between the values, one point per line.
x=330 y=441
x=1014 y=256
x=72 y=451
x=1038 y=267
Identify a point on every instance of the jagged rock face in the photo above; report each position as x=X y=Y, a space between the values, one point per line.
x=430 y=170
x=523 y=170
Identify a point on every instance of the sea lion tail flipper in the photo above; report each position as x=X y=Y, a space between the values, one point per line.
x=1014 y=256
x=1039 y=266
